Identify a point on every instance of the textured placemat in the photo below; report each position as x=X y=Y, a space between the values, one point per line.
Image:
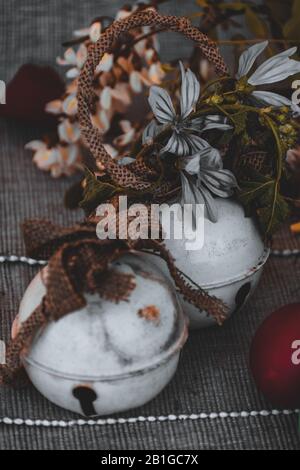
x=285 y=243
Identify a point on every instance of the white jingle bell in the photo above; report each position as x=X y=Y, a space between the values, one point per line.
x=229 y=264
x=108 y=357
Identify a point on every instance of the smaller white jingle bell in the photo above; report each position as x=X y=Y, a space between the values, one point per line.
x=228 y=265
x=108 y=357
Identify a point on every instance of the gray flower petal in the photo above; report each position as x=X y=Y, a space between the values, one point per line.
x=216 y=122
x=202 y=124
x=190 y=91
x=177 y=145
x=191 y=164
x=126 y=161
x=276 y=69
x=295 y=110
x=196 y=143
x=197 y=122
x=187 y=193
x=248 y=58
x=151 y=131
x=161 y=104
x=272 y=99
x=211 y=159
x=191 y=194
x=220 y=182
x=191 y=127
x=211 y=209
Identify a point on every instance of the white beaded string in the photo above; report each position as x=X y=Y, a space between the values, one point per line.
x=145 y=419
x=285 y=253
x=21 y=259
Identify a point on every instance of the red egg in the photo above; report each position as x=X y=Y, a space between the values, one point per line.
x=275 y=357
x=28 y=93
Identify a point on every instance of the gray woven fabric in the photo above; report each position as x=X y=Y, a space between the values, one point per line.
x=213 y=375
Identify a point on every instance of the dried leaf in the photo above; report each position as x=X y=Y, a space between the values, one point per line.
x=240 y=122
x=96 y=192
x=291 y=29
x=263 y=197
x=202 y=3
x=256 y=24
x=236 y=6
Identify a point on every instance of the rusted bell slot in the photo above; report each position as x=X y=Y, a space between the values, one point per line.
x=242 y=295
x=86 y=397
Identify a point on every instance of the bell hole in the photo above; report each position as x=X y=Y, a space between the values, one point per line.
x=242 y=295
x=86 y=397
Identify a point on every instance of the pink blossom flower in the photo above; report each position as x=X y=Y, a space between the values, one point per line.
x=75 y=59
x=102 y=120
x=58 y=160
x=128 y=134
x=106 y=63
x=116 y=99
x=69 y=105
x=54 y=107
x=69 y=132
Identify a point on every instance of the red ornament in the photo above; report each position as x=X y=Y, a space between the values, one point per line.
x=275 y=357
x=28 y=93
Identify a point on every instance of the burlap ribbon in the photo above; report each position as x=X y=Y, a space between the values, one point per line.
x=79 y=262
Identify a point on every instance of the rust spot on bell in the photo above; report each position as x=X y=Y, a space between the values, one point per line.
x=150 y=313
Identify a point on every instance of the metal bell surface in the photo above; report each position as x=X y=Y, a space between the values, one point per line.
x=108 y=357
x=229 y=264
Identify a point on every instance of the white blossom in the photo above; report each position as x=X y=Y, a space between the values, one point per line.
x=273 y=70
x=201 y=166
x=203 y=176
x=186 y=131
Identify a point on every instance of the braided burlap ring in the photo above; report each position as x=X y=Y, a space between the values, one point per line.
x=79 y=262
x=134 y=176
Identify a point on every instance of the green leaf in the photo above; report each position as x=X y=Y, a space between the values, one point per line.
x=202 y=3
x=263 y=197
x=240 y=122
x=270 y=222
x=236 y=6
x=252 y=191
x=256 y=24
x=96 y=192
x=291 y=29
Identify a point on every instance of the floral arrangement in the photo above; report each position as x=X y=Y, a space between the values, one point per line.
x=243 y=134
x=233 y=135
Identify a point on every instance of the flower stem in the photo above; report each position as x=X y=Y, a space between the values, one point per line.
x=279 y=167
x=148 y=148
x=214 y=82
